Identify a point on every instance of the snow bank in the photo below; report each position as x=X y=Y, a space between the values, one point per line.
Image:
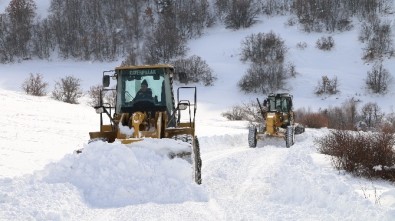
x=110 y=175
x=113 y=175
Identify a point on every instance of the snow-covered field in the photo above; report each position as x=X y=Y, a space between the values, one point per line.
x=42 y=179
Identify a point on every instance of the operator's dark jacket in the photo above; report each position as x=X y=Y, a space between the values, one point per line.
x=144 y=95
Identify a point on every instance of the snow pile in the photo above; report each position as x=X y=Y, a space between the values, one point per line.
x=113 y=175
x=126 y=130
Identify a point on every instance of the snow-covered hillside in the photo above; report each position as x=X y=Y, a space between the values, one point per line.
x=42 y=179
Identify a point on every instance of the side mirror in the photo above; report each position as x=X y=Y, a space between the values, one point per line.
x=182 y=106
x=106 y=80
x=99 y=110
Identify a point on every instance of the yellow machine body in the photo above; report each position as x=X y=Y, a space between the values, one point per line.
x=133 y=118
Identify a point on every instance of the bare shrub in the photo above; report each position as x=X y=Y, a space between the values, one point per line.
x=291 y=21
x=378 y=38
x=241 y=14
x=236 y=113
x=313 y=120
x=320 y=15
x=366 y=32
x=263 y=48
x=248 y=111
x=267 y=72
x=94 y=93
x=35 y=85
x=131 y=59
x=371 y=114
x=67 y=90
x=292 y=70
x=264 y=78
x=110 y=97
x=195 y=69
x=363 y=154
x=325 y=43
x=327 y=86
x=389 y=123
x=342 y=118
x=378 y=78
x=271 y=7
x=301 y=45
x=164 y=43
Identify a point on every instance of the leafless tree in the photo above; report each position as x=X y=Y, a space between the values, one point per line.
x=264 y=78
x=68 y=90
x=325 y=43
x=221 y=7
x=263 y=48
x=6 y=53
x=195 y=70
x=338 y=118
x=131 y=59
x=21 y=14
x=327 y=86
x=192 y=16
x=378 y=38
x=97 y=95
x=378 y=79
x=319 y=15
x=350 y=107
x=371 y=114
x=94 y=93
x=267 y=72
x=42 y=39
x=241 y=14
x=248 y=111
x=271 y=7
x=164 y=43
x=35 y=85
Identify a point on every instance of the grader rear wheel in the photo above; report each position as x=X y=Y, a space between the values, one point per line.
x=289 y=136
x=194 y=158
x=252 y=140
x=197 y=161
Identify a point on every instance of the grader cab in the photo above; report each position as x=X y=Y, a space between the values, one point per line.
x=145 y=107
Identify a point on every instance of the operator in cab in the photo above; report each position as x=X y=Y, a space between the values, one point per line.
x=145 y=92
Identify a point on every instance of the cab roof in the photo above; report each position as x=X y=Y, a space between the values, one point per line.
x=144 y=66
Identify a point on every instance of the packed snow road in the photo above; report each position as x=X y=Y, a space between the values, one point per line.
x=272 y=182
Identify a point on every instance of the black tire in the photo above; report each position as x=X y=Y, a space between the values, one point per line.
x=252 y=140
x=197 y=161
x=289 y=136
x=193 y=158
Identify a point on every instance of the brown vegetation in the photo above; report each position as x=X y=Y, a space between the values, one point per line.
x=364 y=154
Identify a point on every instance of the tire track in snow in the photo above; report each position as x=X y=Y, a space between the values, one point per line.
x=260 y=170
x=239 y=179
x=221 y=154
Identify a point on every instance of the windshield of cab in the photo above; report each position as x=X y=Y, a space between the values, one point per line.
x=141 y=85
x=278 y=104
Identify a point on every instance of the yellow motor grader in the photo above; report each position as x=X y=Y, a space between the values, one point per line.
x=279 y=120
x=151 y=115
